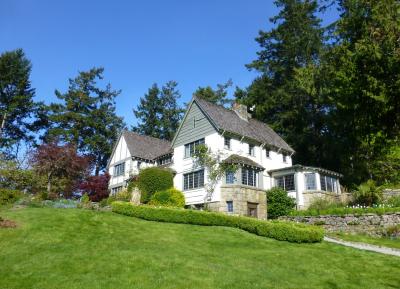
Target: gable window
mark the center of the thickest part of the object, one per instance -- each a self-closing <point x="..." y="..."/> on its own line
<point x="119" y="169"/>
<point x="227" y="143"/>
<point x="284" y="158"/>
<point x="251" y="149"/>
<point x="311" y="184"/>
<point x="190" y="147"/>
<point x="285" y="182"/>
<point x="229" y="206"/>
<point x="193" y="180"/>
<point x="268" y="153"/>
<point x="230" y="177"/>
<point x="249" y="177"/>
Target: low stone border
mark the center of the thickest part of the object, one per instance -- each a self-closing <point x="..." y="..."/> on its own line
<point x="364" y="246"/>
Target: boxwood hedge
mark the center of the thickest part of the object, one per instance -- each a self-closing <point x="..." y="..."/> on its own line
<point x="279" y="230"/>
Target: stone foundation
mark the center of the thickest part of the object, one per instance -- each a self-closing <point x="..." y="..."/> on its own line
<point x="371" y="224"/>
<point x="241" y="196"/>
<point x="310" y="196"/>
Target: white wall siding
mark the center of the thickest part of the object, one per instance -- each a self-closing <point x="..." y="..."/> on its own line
<point x="121" y="154"/>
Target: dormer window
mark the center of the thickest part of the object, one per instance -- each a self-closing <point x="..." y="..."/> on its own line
<point x="251" y="150"/>
<point x="227" y="143"/>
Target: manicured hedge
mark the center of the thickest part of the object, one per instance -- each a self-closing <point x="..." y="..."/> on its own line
<point x="283" y="231"/>
<point x="168" y="198"/>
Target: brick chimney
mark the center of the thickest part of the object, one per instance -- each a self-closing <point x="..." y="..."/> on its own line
<point x="241" y="111"/>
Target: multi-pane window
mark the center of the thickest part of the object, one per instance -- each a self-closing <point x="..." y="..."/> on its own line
<point x="284" y="158"/>
<point x="285" y="182"/>
<point x="193" y="180"/>
<point x="165" y="160"/>
<point x="251" y="149"/>
<point x="249" y="177"/>
<point x="229" y="206"/>
<point x="328" y="183"/>
<point x="267" y="153"/>
<point x="311" y="184"/>
<point x="227" y="143"/>
<point x="230" y="177"/>
<point x="190" y="147"/>
<point x="119" y="169"/>
<point x="115" y="190"/>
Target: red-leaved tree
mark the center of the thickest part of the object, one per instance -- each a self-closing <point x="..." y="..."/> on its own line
<point x="61" y="163"/>
<point x="96" y="187"/>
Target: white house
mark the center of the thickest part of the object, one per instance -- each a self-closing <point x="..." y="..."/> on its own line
<point x="264" y="160"/>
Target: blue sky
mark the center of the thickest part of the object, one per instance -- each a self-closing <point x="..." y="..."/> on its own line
<point x="196" y="43"/>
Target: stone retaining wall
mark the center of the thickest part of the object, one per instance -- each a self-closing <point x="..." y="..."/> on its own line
<point x="371" y="224"/>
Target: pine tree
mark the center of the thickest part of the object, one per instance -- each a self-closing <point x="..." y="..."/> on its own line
<point x="17" y="106"/>
<point x="293" y="44"/>
<point x="159" y="113"/>
<point x="218" y="96"/>
<point x="86" y="117"/>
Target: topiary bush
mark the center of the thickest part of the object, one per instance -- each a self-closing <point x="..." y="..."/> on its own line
<point x="279" y="203"/>
<point x="168" y="198"/>
<point x="151" y="180"/>
<point x="283" y="231"/>
<point x="9" y="196"/>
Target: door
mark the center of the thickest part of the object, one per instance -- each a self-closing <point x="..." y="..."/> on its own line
<point x="252" y="210"/>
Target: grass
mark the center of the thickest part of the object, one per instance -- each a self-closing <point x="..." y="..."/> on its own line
<point x="383" y="241"/>
<point x="72" y="248"/>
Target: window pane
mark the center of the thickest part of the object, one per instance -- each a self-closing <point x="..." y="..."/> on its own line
<point x="329" y="184"/>
<point x="244" y="176"/>
<point x="267" y="153"/>
<point x="230" y="177"/>
<point x="323" y="184"/>
<point x="289" y="183"/>
<point x="284" y="157"/>
<point x="201" y="178"/>
<point x="187" y="150"/>
<point x="279" y="182"/>
<point x="229" y="205"/>
<point x="227" y="143"/>
<point x="310" y="181"/>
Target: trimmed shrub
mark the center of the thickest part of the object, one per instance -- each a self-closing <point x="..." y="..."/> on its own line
<point x="346" y="211"/>
<point x="279" y="203"/>
<point x="279" y="230"/>
<point x="9" y="196"/>
<point x="123" y="196"/>
<point x="151" y="180"/>
<point x="168" y="198"/>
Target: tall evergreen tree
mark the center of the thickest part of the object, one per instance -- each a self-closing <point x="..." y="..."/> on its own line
<point x="86" y="117"/>
<point x="218" y="96"/>
<point x="294" y="43"/>
<point x="364" y="83"/>
<point x="17" y="106"/>
<point x="158" y="113"/>
<point x="171" y="112"/>
<point x="148" y="113"/>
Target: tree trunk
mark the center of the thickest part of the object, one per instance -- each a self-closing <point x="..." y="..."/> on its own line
<point x="49" y="183"/>
<point x="3" y="124"/>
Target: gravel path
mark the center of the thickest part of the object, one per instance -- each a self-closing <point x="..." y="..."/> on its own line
<point x="364" y="246"/>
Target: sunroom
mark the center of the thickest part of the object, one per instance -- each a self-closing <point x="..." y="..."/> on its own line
<point x="307" y="183"/>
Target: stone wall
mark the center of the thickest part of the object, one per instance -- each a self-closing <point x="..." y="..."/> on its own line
<point x="310" y="196"/>
<point x="241" y="196"/>
<point x="371" y="224"/>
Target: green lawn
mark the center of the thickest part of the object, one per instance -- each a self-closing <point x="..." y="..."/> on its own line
<point x="71" y="248"/>
<point x="386" y="242"/>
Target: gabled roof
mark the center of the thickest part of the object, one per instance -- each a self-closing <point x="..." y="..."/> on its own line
<point x="240" y="160"/>
<point x="146" y="147"/>
<point x="306" y="168"/>
<point x="227" y="120"/>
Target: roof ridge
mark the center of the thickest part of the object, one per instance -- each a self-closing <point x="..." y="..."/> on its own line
<point x="146" y="136"/>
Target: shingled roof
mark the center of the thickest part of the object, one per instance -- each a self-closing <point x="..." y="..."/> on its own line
<point x="146" y="147"/>
<point x="228" y="120"/>
<point x="240" y="160"/>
